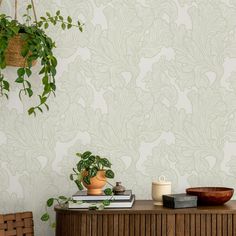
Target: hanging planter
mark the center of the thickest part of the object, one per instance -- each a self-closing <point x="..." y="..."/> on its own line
<point x="13" y="55"/>
<point x="22" y="44"/>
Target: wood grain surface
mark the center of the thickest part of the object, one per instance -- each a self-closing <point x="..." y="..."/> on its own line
<point x="145" y="219"/>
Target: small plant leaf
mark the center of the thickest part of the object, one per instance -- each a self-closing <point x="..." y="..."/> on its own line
<point x="63" y="26"/>
<point x="31" y="111"/>
<point x="45" y="217"/>
<point x="79" y="184"/>
<point x="108" y="191"/>
<point x="46" y="25"/>
<point x="71" y="177"/>
<point x="53" y="225"/>
<point x="106" y="202"/>
<point x="19" y="80"/>
<point x="69" y="19"/>
<point x="105" y="162"/>
<point x="50" y="202"/>
<point x="20" y="72"/>
<point x="63" y="198"/>
<point x="6" y="85"/>
<point x="86" y="154"/>
<point x="80" y="165"/>
<point x="28" y="72"/>
<point x="93" y="207"/>
<point x="86" y="179"/>
<point x="29" y="91"/>
<point x="109" y="174"/>
<point x="92" y="172"/>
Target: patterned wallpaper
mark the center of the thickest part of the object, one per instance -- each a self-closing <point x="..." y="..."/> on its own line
<point x="150" y="84"/>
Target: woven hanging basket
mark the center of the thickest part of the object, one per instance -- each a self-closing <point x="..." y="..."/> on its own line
<point x="13" y="52"/>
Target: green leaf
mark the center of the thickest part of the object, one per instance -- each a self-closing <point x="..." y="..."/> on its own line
<point x="48" y="14"/>
<point x="63" y="26"/>
<point x="31" y="111"/>
<point x="78" y="154"/>
<point x="53" y="225"/>
<point x="61" y="17"/>
<point x="30" y="91"/>
<point x="108" y="191"/>
<point x="24" y="51"/>
<point x="6" y="85"/>
<point x="42" y="71"/>
<point x="45" y="217"/>
<point x="91" y="159"/>
<point x="63" y="198"/>
<point x="92" y="172"/>
<point x="86" y="154"/>
<point x="79" y="184"/>
<point x="28" y="72"/>
<point x="50" y="202"/>
<point x="47" y="107"/>
<point x="53" y="86"/>
<point x="105" y="162"/>
<point x="54" y="61"/>
<point x="40" y="109"/>
<point x="93" y="207"/>
<point x="86" y="179"/>
<point x="80" y="165"/>
<point x="109" y="174"/>
<point x="45" y="80"/>
<point x="69" y="19"/>
<point x="43" y="18"/>
<point x="69" y="26"/>
<point x="20" y="72"/>
<point x="19" y="80"/>
<point x="28" y="83"/>
<point x="29" y="7"/>
<point x="58" y="13"/>
<point x="71" y="177"/>
<point x="43" y="100"/>
<point x="46" y="25"/>
<point x="106" y="202"/>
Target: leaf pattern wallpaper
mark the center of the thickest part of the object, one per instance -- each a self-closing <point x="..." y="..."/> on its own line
<point x="151" y="84"/>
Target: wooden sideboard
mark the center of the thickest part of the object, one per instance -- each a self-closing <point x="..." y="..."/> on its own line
<point x="145" y="219"/>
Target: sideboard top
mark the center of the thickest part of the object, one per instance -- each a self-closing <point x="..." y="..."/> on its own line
<point x="147" y="207"/>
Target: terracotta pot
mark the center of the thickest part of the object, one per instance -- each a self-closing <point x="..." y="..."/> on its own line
<point x="13" y="52"/>
<point x="96" y="183"/>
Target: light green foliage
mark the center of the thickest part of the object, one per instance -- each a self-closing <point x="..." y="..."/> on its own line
<point x="90" y="163"/>
<point x="38" y="46"/>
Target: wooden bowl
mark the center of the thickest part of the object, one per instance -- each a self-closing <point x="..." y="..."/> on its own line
<point x="211" y="195"/>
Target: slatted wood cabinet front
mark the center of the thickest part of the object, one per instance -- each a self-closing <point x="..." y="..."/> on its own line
<point x="144" y="219"/>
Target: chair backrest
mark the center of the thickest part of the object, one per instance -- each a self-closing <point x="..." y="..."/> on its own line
<point x="18" y="224"/>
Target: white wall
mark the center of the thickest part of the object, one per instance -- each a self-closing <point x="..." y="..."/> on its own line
<point x="149" y="84"/>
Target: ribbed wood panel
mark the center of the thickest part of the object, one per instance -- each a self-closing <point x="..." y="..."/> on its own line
<point x="146" y="224"/>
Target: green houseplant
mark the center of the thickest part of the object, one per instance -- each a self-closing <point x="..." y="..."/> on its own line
<point x="35" y="45"/>
<point x="91" y="172"/>
<point x="87" y="169"/>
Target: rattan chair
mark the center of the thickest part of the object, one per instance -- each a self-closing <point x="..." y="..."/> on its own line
<point x="18" y="224"/>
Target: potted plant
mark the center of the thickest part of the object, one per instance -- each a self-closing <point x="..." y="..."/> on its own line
<point x="91" y="171"/>
<point x="21" y="44"/>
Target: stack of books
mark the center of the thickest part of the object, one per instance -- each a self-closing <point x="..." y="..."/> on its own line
<point x="84" y="201"/>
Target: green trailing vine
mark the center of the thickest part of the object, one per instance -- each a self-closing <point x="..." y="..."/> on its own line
<point x="91" y="164"/>
<point x="37" y="46"/>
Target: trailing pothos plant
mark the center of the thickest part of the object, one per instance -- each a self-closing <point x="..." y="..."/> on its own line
<point x="91" y="164"/>
<point x="37" y="46"/>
